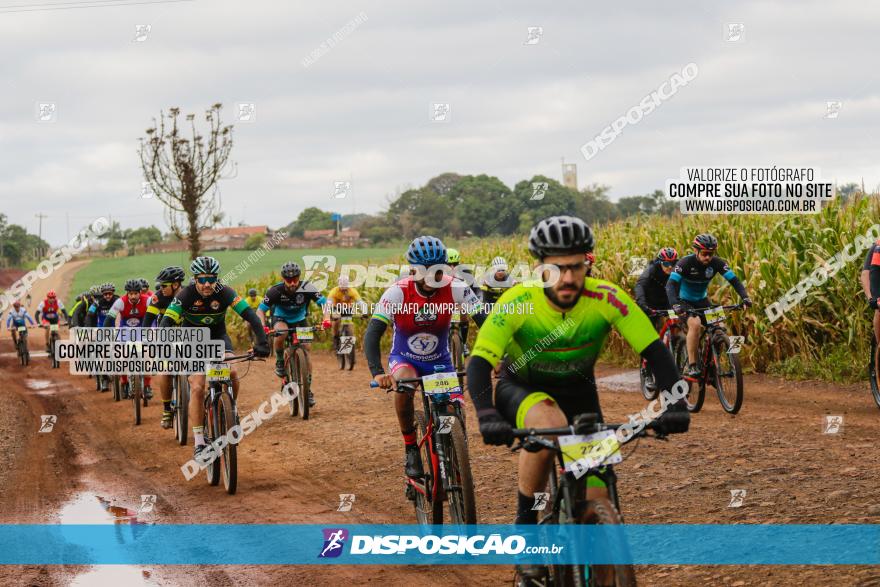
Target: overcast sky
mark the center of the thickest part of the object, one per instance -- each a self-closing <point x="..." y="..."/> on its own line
<point x="362" y="109"/>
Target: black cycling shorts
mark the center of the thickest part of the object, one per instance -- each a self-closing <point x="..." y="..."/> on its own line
<point x="698" y="305"/>
<point x="513" y="400"/>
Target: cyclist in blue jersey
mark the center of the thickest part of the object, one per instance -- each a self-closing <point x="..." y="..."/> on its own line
<point x="688" y="286"/>
<point x="17" y="316"/>
<point x="101" y="306"/>
<point x="289" y="301"/>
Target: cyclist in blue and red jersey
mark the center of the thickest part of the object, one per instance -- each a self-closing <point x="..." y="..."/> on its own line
<point x="129" y="311"/>
<point x="421" y="337"/>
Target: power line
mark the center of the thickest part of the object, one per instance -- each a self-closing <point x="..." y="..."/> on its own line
<point x="46" y="6"/>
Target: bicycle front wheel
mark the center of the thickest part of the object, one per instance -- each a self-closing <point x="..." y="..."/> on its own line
<point x="137" y="387"/>
<point x="228" y="419"/>
<point x="428" y="510"/>
<point x="456" y="350"/>
<point x="180" y="401"/>
<point x="602" y="511"/>
<point x="302" y="375"/>
<point x="211" y="434"/>
<point x="727" y="374"/>
<point x="875" y="372"/>
<point x="460" y="493"/>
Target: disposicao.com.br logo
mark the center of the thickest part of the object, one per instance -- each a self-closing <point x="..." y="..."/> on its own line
<point x="431" y="544"/>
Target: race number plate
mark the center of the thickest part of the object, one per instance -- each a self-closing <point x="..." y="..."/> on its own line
<point x="441" y="383"/>
<point x="714" y="315"/>
<point x="671" y="314"/>
<point x="218" y="372"/>
<point x="53" y="327"/>
<point x="456" y="318"/>
<point x="346" y="320"/>
<point x="22" y="328"/>
<point x="580" y="453"/>
<point x="304" y="333"/>
<point x="346" y="345"/>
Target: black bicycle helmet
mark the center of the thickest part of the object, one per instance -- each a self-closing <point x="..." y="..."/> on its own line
<point x="560" y="235"/>
<point x="133" y="285"/>
<point x="252" y="292"/>
<point x="705" y="242"/>
<point x="144" y="283"/>
<point x="105" y="287"/>
<point x="290" y="270"/>
<point x="667" y="255"/>
<point x="170" y="274"/>
<point x="204" y="265"/>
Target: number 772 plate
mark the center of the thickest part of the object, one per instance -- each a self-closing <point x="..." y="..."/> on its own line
<point x="581" y="452"/>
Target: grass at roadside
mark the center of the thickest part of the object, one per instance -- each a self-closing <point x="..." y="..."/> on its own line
<point x="119" y="269"/>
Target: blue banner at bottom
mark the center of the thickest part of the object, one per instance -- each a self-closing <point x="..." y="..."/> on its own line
<point x="280" y="544"/>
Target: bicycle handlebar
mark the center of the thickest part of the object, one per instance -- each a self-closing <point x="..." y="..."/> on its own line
<point x="407" y="381"/>
<point x="704" y="310"/>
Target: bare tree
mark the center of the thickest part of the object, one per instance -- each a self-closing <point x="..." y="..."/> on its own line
<point x="181" y="172"/>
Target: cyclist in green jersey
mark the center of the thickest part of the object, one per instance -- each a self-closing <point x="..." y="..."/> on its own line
<point x="204" y="303"/>
<point x="549" y="338"/>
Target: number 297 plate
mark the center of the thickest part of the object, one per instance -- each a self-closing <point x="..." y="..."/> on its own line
<point x="218" y="372"/>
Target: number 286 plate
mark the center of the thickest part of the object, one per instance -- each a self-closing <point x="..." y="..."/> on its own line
<point x="441" y="383"/>
<point x="714" y="315"/>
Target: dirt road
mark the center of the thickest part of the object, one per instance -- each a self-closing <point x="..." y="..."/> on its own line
<point x="292" y="471"/>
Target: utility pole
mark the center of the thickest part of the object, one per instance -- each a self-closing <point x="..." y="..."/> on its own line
<point x="40" y="233"/>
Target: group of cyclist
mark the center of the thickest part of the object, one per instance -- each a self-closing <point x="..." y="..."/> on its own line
<point x="533" y="358"/>
<point x="681" y="285"/>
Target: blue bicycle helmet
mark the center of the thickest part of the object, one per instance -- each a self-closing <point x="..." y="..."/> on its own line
<point x="426" y="251"/>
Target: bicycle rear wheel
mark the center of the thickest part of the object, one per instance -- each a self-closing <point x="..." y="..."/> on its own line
<point x="726" y="374"/>
<point x="349" y="356"/>
<point x="428" y="510"/>
<point x="180" y="401"/>
<point x="137" y="387"/>
<point x="460" y="496"/>
<point x="227" y="418"/>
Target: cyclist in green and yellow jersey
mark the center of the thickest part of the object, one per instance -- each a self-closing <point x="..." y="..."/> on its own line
<point x="549" y="338"/>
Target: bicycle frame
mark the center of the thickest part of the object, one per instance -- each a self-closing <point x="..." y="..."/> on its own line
<point x="434" y="406"/>
<point x="704" y="346"/>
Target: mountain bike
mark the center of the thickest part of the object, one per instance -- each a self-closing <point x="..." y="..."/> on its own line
<point x="578" y="460"/>
<point x="297" y="367"/>
<point x="180" y="407"/>
<point x="21" y="346"/>
<point x="137" y="395"/>
<point x="443" y="447"/>
<point x="53" y="336"/>
<point x="456" y="344"/>
<point x="672" y="338"/>
<point x="345" y="345"/>
<point x="221" y="415"/>
<point x="719" y="365"/>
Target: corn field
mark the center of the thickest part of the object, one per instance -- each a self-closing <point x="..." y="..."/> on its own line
<point x="827" y="335"/>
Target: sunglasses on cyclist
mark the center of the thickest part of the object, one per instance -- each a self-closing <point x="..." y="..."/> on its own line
<point x="709" y="254"/>
<point x="574" y="267"/>
<point x="667" y="263"/>
<point x="290" y="279"/>
<point x="166" y="284"/>
<point x="107" y="294"/>
<point x="207" y="279"/>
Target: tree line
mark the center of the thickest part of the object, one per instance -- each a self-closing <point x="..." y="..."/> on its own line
<point x="480" y="206"/>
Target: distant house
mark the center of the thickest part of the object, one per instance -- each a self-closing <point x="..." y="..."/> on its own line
<point x="327" y="234"/>
<point x="231" y="237"/>
<point x="349" y="238"/>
